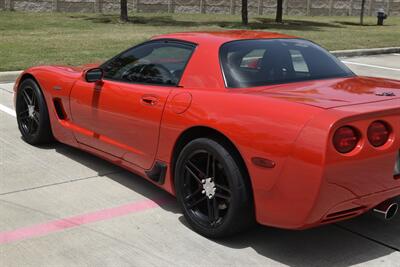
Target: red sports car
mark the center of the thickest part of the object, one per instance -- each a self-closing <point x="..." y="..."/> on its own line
<point x="241" y="126"/>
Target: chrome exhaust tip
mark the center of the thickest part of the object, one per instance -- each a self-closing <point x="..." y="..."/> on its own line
<point x="386" y="210"/>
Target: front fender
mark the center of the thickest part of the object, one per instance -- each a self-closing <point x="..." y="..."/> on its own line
<point x="56" y="83"/>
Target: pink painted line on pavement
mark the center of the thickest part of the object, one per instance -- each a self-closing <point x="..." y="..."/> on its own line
<point x="75" y="221"/>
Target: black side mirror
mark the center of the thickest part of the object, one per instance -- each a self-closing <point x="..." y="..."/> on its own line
<point x="94" y="75"/>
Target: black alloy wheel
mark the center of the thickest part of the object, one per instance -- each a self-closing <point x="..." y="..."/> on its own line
<point x="32" y="115"/>
<point x="212" y="190"/>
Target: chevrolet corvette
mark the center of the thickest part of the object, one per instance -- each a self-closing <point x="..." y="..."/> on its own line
<point x="241" y="126"/>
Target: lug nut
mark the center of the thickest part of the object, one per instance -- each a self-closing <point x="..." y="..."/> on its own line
<point x="203" y="192"/>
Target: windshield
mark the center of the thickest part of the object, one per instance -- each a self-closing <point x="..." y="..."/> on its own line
<point x="249" y="63"/>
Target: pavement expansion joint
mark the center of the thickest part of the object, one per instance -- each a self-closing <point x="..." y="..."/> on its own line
<point x="8" y="91"/>
<point x="367" y="237"/>
<point x="59" y="183"/>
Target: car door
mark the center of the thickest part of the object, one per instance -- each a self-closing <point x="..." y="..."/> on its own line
<point x="121" y="114"/>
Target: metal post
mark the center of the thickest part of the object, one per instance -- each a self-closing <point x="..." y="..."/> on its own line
<point x="308" y="8"/>
<point x="330" y="7"/>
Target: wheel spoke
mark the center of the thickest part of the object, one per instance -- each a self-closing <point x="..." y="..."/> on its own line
<point x="33" y="99"/>
<point x="223" y="188"/>
<point x="219" y="195"/>
<point x="210" y="208"/>
<point x="27" y="99"/>
<point x="191" y="195"/>
<point x="213" y="212"/>
<point x="210" y="172"/>
<point x="216" y="209"/>
<point x="202" y="174"/>
<point x="191" y="168"/>
<point x="223" y="192"/>
<point x="30" y="127"/>
<point x="24" y="111"/>
<point x="195" y="203"/>
<point x="22" y="116"/>
<point x="25" y="120"/>
<point x="36" y="118"/>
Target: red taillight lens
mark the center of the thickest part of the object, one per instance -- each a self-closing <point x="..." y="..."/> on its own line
<point x="346" y="139"/>
<point x="378" y="133"/>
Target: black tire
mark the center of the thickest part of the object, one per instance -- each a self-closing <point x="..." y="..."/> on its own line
<point x="202" y="165"/>
<point x="32" y="114"/>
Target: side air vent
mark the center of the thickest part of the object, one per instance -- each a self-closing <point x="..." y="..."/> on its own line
<point x="158" y="172"/>
<point x="343" y="214"/>
<point x="59" y="109"/>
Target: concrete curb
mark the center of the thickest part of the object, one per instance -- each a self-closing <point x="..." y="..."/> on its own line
<point x="11" y="76"/>
<point x="365" y="52"/>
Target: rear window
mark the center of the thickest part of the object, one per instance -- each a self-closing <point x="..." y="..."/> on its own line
<point x="249" y="63"/>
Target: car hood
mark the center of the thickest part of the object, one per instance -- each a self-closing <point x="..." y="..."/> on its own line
<point x="332" y="93"/>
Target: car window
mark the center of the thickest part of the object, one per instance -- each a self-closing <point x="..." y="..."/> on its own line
<point x="299" y="64"/>
<point x="248" y="63"/>
<point x="251" y="59"/>
<point x="158" y="63"/>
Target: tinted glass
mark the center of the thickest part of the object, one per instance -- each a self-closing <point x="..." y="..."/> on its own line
<point x="160" y="63"/>
<point x="248" y="63"/>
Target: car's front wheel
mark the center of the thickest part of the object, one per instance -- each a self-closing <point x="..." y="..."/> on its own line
<point x="32" y="115"/>
<point x="212" y="189"/>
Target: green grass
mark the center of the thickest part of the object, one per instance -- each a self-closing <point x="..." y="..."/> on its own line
<point x="28" y="39"/>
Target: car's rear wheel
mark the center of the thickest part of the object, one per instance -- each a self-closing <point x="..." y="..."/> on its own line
<point x="32" y="115"/>
<point x="212" y="189"/>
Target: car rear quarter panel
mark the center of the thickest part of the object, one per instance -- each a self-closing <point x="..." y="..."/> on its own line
<point x="310" y="177"/>
<point x="258" y="127"/>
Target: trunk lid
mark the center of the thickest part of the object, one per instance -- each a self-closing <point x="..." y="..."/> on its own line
<point x="331" y="93"/>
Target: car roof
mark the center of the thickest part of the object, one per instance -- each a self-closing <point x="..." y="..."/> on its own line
<point x="221" y="37"/>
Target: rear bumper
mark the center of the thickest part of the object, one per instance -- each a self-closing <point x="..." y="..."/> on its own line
<point x="329" y="204"/>
<point x="308" y="195"/>
<point x="354" y="207"/>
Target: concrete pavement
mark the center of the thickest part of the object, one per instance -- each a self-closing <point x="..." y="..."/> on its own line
<point x="62" y="207"/>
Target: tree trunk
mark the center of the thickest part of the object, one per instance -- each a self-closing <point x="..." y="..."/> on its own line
<point x="279" y="11"/>
<point x="362" y="12"/>
<point x="124" y="10"/>
<point x="245" y="16"/>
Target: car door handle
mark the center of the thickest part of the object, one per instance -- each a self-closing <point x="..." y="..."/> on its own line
<point x="149" y="100"/>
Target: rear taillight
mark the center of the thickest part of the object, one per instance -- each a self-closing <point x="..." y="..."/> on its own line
<point x="346" y="139"/>
<point x="378" y="133"/>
